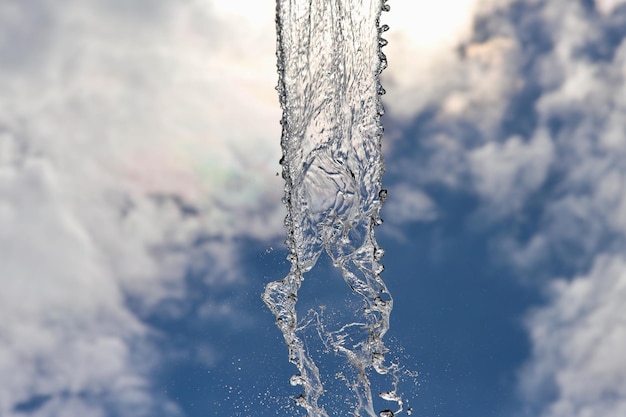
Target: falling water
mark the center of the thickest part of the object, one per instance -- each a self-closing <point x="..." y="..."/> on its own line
<point x="329" y="61"/>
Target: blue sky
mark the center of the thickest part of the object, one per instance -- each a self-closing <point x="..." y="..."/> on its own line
<point x="140" y="213"/>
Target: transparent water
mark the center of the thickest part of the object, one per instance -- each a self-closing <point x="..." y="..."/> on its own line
<point x="329" y="62"/>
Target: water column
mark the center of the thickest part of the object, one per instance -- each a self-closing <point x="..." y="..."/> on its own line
<point x="329" y="61"/>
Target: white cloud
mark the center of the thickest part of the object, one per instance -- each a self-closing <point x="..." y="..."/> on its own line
<point x="465" y="84"/>
<point x="578" y="368"/>
<point x="574" y="132"/>
<point x="562" y="179"/>
<point x="129" y="131"/>
<point x="66" y="332"/>
<point x="506" y="173"/>
<point x="407" y="204"/>
<point x="608" y="6"/>
<point x="424" y="60"/>
<point x="587" y="101"/>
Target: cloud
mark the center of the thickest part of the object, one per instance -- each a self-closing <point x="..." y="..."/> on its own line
<point x="606" y="7"/>
<point x="425" y="40"/>
<point x="505" y="173"/>
<point x="459" y="86"/>
<point x="522" y="107"/>
<point x="577" y="336"/>
<point x="410" y="205"/>
<point x="524" y="112"/>
<point x="66" y="333"/>
<point x="578" y="367"/>
<point x="583" y="106"/>
<point x="138" y="141"/>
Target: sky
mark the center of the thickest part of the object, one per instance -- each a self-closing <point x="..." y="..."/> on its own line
<point x="140" y="212"/>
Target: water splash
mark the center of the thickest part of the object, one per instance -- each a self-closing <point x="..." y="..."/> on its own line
<point x="329" y="62"/>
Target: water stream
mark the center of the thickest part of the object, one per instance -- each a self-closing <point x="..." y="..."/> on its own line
<point x="329" y="62"/>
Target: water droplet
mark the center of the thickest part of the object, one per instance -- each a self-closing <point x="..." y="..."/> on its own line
<point x="382" y="194"/>
<point x="386" y="413"/>
<point x="384" y="28"/>
<point x="382" y="66"/>
<point x="301" y="401"/>
<point x="409" y="411"/>
<point x="297" y="379"/>
<point x="389" y="396"/>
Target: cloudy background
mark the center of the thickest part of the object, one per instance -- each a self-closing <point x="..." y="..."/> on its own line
<point x="140" y="211"/>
